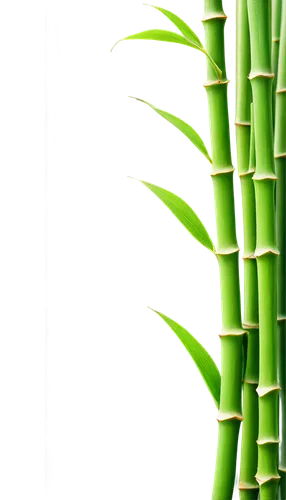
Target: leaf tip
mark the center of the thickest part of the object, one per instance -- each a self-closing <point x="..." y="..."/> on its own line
<point x="132" y="97"/>
<point x="115" y="44"/>
<point x="146" y="4"/>
<point x="132" y="178"/>
<point x="149" y="307"/>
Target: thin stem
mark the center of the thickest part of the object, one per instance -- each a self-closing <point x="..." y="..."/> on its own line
<point x="217" y="69"/>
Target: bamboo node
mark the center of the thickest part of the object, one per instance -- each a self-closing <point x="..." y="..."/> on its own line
<point x="249" y="256"/>
<point x="281" y="318"/>
<point x="227" y="251"/>
<point x="260" y="74"/>
<point x="280" y="91"/>
<point x="265" y="479"/>
<point x="211" y="83"/>
<point x="263" y="391"/>
<point x="265" y="176"/>
<point x="250" y="382"/>
<point x="279" y="155"/>
<point x="213" y="16"/>
<point x="234" y="332"/>
<point x="250" y="171"/>
<point x="282" y="468"/>
<point x="248" y="486"/>
<point x="223" y="416"/>
<point x="242" y="123"/>
<point x="251" y="326"/>
<point x="221" y="170"/>
<point x="269" y="440"/>
<point x="259" y="252"/>
<point x="277" y="39"/>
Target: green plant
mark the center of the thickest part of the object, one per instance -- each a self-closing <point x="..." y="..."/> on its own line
<point x="249" y="361"/>
<point x="266" y="251"/>
<point x="245" y="141"/>
<point x="280" y="168"/>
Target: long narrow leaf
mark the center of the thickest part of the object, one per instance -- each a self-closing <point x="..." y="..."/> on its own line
<point x="163" y="35"/>
<point x="157" y="35"/>
<point x="186" y="31"/>
<point x="186" y="129"/>
<point x="201" y="357"/>
<point x="184" y="214"/>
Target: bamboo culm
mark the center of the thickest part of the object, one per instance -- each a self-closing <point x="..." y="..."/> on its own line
<point x="280" y="167"/>
<point x="276" y="26"/>
<point x="248" y="485"/>
<point x="227" y="253"/>
<point x="266" y="250"/>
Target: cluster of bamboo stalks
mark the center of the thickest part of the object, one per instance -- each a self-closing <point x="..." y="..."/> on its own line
<point x="253" y="352"/>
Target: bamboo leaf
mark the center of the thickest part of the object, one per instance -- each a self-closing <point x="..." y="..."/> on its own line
<point x="186" y="31"/>
<point x="201" y="357"/>
<point x="189" y="37"/>
<point x="157" y="35"/>
<point x="186" y="129"/>
<point x="184" y="214"/>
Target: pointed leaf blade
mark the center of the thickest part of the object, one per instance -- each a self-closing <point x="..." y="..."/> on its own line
<point x="186" y="31"/>
<point x="186" y="129"/>
<point x="169" y="36"/>
<point x="184" y="214"/>
<point x="200" y="356"/>
<point x="157" y="35"/>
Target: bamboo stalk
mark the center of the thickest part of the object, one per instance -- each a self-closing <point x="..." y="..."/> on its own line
<point x="242" y="149"/>
<point x="276" y="26"/>
<point x="280" y="167"/>
<point x="266" y="250"/>
<point x="248" y="486"/>
<point x="232" y="333"/>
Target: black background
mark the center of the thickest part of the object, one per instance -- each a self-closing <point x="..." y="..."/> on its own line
<point x="127" y="418"/>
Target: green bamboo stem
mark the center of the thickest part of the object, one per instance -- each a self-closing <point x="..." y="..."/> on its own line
<point x="280" y="167"/>
<point x="232" y="333"/>
<point x="276" y="26"/>
<point x="248" y="485"/>
<point x="266" y="250"/>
